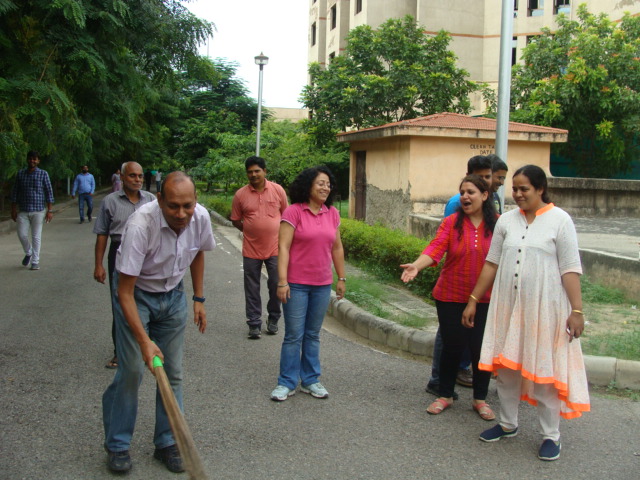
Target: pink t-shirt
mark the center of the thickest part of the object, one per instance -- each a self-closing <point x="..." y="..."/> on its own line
<point x="310" y="252"/>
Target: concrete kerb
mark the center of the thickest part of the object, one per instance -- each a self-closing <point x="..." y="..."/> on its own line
<point x="602" y="371"/>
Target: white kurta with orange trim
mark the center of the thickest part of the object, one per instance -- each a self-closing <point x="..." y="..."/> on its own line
<point x="526" y="323"/>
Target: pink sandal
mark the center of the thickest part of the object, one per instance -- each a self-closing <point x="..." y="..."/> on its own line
<point x="438" y="406"/>
<point x="484" y="411"/>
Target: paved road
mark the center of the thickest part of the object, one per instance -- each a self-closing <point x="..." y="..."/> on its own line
<point x="55" y="339"/>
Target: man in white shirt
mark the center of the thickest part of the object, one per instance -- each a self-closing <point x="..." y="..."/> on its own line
<point x="160" y="241"/>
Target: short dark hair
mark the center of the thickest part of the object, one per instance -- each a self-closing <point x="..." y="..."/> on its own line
<point x="478" y="162"/>
<point x="32" y="154"/>
<point x="497" y="163"/>
<point x="300" y="188"/>
<point x="537" y="178"/>
<point x="253" y="160"/>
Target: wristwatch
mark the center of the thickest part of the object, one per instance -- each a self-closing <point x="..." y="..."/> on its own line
<point x="198" y="299"/>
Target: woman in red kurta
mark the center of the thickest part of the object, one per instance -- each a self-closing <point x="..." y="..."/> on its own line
<point x="465" y="237"/>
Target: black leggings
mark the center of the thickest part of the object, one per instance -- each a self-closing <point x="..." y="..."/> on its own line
<point x="456" y="338"/>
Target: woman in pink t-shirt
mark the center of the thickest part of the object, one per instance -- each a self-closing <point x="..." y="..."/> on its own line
<point x="309" y="242"/>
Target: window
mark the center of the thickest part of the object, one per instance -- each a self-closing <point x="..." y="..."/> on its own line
<point x="561" y="6"/>
<point x="359" y="6"/>
<point x="531" y="38"/>
<point x="313" y="34"/>
<point x="334" y="17"/>
<point x="514" y="50"/>
<point x="515" y="8"/>
<point x="332" y="55"/>
<point x="535" y="8"/>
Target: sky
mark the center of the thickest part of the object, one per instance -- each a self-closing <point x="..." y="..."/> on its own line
<point x="246" y="28"/>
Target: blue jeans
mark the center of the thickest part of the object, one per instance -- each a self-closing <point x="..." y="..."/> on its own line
<point x="303" y="316"/>
<point x="164" y="317"/>
<point x="82" y="198"/>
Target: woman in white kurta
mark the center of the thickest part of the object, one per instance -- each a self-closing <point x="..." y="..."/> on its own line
<point x="535" y="314"/>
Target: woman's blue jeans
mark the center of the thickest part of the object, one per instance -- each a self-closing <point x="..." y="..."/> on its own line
<point x="164" y="317"/>
<point x="303" y="316"/>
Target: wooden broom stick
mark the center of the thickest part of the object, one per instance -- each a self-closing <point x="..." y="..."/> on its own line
<point x="186" y="446"/>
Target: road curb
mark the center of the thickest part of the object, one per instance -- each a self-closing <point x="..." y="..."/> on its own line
<point x="602" y="371"/>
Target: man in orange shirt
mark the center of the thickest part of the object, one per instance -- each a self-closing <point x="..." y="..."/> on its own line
<point x="256" y="213"/>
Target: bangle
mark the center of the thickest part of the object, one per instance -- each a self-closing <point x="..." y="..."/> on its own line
<point x="579" y="312"/>
<point x="285" y="285"/>
<point x="195" y="298"/>
<point x="472" y="296"/>
<point x="342" y="279"/>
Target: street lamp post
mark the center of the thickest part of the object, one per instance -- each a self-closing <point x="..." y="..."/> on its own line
<point x="261" y="60"/>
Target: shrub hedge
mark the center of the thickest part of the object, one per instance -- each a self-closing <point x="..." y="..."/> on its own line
<point x="381" y="251"/>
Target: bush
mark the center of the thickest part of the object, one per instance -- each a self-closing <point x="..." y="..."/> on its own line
<point x="381" y="251"/>
<point x="219" y="203"/>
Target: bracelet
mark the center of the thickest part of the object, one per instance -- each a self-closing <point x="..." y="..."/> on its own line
<point x="198" y="299"/>
<point x="342" y="279"/>
<point x="471" y="296"/>
<point x="580" y="312"/>
<point x="285" y="285"/>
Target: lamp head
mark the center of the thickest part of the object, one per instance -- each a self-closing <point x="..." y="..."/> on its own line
<point x="261" y="59"/>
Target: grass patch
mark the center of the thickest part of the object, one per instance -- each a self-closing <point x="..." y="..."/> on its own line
<point x="624" y="345"/>
<point x="372" y="296"/>
<point x="596" y="293"/>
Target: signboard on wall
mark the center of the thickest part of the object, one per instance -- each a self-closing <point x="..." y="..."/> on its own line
<point x="482" y="148"/>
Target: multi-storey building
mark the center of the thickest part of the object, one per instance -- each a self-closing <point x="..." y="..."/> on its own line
<point x="474" y="26"/>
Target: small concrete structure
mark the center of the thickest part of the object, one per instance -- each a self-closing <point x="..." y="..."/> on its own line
<point x="415" y="166"/>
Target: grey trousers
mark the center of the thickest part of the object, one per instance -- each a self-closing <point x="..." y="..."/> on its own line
<point x="253" y="301"/>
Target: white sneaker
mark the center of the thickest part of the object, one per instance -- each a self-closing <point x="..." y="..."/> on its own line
<point x="281" y="393"/>
<point x="316" y="390"/>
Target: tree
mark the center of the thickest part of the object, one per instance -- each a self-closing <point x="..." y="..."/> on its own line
<point x="585" y="77"/>
<point x="91" y="81"/>
<point x="394" y="73"/>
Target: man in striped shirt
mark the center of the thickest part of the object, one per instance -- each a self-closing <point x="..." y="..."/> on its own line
<point x="31" y="191"/>
<point x="115" y="210"/>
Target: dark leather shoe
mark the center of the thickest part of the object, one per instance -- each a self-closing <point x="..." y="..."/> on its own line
<point x="119" y="461"/>
<point x="171" y="458"/>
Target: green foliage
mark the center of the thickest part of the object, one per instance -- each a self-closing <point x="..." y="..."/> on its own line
<point x="219" y="203"/>
<point x="383" y="251"/>
<point x="596" y="293"/>
<point x="92" y="82"/>
<point x="585" y="77"/>
<point x="394" y="73"/>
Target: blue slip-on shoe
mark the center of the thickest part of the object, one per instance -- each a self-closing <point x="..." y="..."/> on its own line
<point x="496" y="432"/>
<point x="281" y="393"/>
<point x="26" y="260"/>
<point x="315" y="390"/>
<point x="549" y="450"/>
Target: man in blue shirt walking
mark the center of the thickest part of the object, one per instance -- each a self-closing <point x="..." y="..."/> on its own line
<point x="84" y="185"/>
<point x="31" y="191"/>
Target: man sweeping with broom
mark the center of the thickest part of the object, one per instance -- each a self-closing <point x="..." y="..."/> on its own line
<point x="160" y="241"/>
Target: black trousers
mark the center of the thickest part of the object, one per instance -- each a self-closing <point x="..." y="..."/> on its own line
<point x="456" y="338"/>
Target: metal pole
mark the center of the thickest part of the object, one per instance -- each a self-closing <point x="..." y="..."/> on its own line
<point x="504" y="84"/>
<point x="259" y="112"/>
